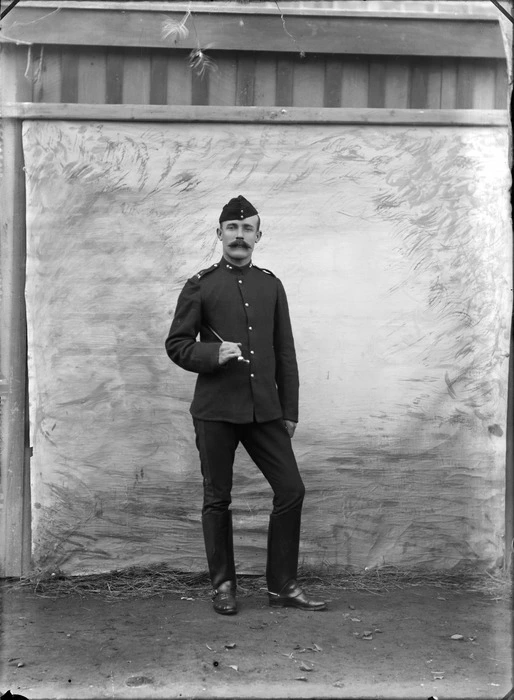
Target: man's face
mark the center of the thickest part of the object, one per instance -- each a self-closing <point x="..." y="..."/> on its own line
<point x="238" y="238"/>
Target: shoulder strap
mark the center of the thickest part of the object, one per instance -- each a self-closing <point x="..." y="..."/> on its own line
<point x="207" y="270"/>
<point x="263" y="269"/>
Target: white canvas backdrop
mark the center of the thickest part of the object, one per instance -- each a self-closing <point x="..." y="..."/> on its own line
<point x="393" y="244"/>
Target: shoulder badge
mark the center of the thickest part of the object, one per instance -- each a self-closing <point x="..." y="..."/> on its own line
<point x="202" y="273"/>
<point x="263" y="269"/>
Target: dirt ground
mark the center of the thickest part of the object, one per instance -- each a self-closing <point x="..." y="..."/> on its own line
<point x="392" y="645"/>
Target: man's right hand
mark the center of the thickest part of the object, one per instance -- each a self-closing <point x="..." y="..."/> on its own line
<point x="228" y="351"/>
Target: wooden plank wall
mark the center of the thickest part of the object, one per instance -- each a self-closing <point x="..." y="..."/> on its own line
<point x="135" y="76"/>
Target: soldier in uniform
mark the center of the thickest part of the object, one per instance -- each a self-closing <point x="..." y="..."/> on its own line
<point x="246" y="391"/>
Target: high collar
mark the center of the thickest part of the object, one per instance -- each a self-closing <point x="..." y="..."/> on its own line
<point x="235" y="269"/>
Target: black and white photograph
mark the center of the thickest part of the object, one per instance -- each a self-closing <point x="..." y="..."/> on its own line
<point x="256" y="376"/>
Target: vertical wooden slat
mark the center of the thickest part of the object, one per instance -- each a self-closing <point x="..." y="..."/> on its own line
<point x="29" y="71"/>
<point x="434" y="85"/>
<point x="501" y="92"/>
<point x="15" y="484"/>
<point x="17" y="65"/>
<point x="70" y="74"/>
<point x="158" y="79"/>
<point x="333" y="82"/>
<point x="376" y="89"/>
<point x="397" y="85"/>
<point x="91" y="76"/>
<point x="265" y="81"/>
<point x="483" y="96"/>
<point x="418" y="86"/>
<point x="245" y="80"/>
<point x="48" y="74"/>
<point x="114" y="77"/>
<point x="200" y="87"/>
<point x="179" y="80"/>
<point x="449" y="85"/>
<point x="28" y="62"/>
<point x="465" y="84"/>
<point x="355" y="87"/>
<point x="38" y="72"/>
<point x="284" y="87"/>
<point x="135" y="87"/>
<point x="309" y="83"/>
<point x="223" y="81"/>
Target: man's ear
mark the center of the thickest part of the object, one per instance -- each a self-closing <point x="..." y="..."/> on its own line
<point x="218" y="233"/>
<point x="258" y="237"/>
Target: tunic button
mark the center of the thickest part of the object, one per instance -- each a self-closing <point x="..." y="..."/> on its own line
<point x="250" y="328"/>
<point x="240" y="281"/>
<point x="246" y="303"/>
<point x="252" y="352"/>
<point x="252" y="375"/>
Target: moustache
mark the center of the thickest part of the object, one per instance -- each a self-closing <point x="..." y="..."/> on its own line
<point x="239" y="244"/>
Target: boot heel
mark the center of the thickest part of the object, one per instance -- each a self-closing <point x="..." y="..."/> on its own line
<point x="275" y="602"/>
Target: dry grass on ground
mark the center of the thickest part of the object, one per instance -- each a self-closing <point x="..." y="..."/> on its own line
<point x="158" y="580"/>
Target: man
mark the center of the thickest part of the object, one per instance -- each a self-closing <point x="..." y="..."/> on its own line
<point x="246" y="391"/>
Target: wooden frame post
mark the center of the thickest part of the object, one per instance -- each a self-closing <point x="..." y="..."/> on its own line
<point x="15" y="544"/>
<point x="509" y="471"/>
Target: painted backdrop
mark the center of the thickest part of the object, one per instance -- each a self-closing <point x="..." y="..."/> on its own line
<point x="393" y="245"/>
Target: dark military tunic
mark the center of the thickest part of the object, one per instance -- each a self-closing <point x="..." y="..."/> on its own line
<point x="246" y="305"/>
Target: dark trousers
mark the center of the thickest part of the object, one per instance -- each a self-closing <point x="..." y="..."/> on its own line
<point x="269" y="446"/>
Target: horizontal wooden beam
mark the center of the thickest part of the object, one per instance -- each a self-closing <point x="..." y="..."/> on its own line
<point x="427" y="36"/>
<point x="259" y="115"/>
<point x="413" y="9"/>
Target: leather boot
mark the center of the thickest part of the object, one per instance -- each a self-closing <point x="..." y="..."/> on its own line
<point x="217" y="532"/>
<point x="224" y="598"/>
<point x="282" y="564"/>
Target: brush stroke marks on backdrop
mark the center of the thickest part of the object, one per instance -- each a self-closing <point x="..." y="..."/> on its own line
<point x="392" y="243"/>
